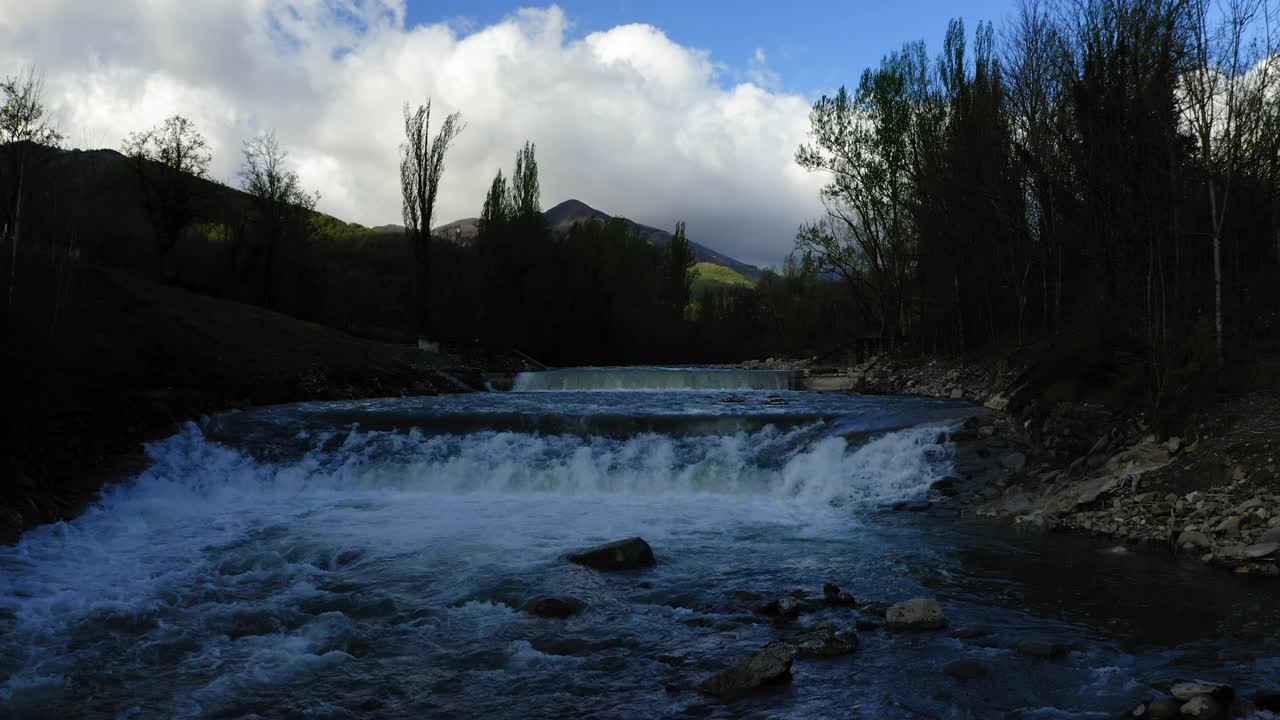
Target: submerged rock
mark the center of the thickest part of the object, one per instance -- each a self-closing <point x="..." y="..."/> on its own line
<point x="916" y="614"/>
<point x="554" y="607"/>
<point x="1269" y="701"/>
<point x="621" y="555"/>
<point x="1161" y="709"/>
<point x="835" y="596"/>
<point x="770" y="666"/>
<point x="947" y="486"/>
<point x="865" y="624"/>
<point x="966" y="669"/>
<point x="912" y="506"/>
<point x="1043" y="650"/>
<point x="784" y="607"/>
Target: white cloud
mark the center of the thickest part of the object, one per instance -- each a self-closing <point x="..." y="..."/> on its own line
<point x="625" y="120"/>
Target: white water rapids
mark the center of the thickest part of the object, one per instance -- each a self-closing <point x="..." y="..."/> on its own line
<point x="343" y="564"/>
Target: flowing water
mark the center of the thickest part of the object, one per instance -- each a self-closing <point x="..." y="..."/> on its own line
<point x="369" y="559"/>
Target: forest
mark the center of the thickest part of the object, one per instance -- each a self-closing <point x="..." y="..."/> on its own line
<point x="1096" y="178"/>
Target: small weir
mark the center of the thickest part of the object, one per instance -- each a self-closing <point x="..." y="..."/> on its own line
<point x="653" y="378"/>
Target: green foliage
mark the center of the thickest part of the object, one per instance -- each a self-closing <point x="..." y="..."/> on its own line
<point x="328" y="230"/>
<point x="497" y="205"/>
<point x="210" y="232"/>
<point x="526" y="191"/>
<point x="710" y="276"/>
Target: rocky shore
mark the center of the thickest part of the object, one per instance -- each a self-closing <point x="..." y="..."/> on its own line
<point x="1213" y="494"/>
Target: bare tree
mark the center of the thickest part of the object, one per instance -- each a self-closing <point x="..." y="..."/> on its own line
<point x="265" y="175"/>
<point x="23" y="121"/>
<point x="421" y="169"/>
<point x="168" y="157"/>
<point x="281" y="201"/>
<point x="176" y="144"/>
<point x="1219" y="104"/>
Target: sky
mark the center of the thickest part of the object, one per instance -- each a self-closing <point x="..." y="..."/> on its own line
<point x="656" y="110"/>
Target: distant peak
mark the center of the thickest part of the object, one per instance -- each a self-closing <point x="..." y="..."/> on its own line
<point x="572" y="210"/>
<point x="572" y="205"/>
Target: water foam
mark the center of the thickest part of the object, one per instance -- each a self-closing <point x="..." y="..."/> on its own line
<point x="219" y="564"/>
<point x="801" y="463"/>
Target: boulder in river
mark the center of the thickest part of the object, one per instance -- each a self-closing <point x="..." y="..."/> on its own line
<point x="1160" y="709"/>
<point x="835" y="596"/>
<point x="554" y="607"/>
<point x="770" y="666"/>
<point x="823" y="642"/>
<point x="916" y="614"/>
<point x="1204" y="707"/>
<point x="1261" y="550"/>
<point x="783" y="607"/>
<point x="1194" y="539"/>
<point x="627" y="554"/>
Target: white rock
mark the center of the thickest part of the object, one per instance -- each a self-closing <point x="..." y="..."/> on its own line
<point x="1261" y="550"/>
<point x="916" y="614"/>
<point x="1185" y="691"/>
<point x="1203" y="706"/>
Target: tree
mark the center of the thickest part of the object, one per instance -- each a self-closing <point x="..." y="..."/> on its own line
<point x="679" y="274"/>
<point x="497" y="210"/>
<point x="168" y="159"/>
<point x="864" y="142"/>
<point x="1221" y="105"/>
<point x="526" y="190"/>
<point x="23" y="121"/>
<point x="421" y="170"/>
<point x="281" y="201"/>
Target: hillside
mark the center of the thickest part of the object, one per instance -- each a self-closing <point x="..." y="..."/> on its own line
<point x="714" y="277"/>
<point x="563" y="216"/>
<point x="131" y="359"/>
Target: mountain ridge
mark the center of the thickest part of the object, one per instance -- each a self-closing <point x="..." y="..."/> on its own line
<point x="563" y="215"/>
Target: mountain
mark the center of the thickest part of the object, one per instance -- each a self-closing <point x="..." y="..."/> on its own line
<point x="563" y="216"/>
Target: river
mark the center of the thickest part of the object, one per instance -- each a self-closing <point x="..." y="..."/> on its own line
<point x="370" y="559"/>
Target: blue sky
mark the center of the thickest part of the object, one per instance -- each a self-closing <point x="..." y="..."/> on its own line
<point x="813" y="45"/>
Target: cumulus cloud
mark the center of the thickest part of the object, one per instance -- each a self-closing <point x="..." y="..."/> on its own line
<point x="625" y="119"/>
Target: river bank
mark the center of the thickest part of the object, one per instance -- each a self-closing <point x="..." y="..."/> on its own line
<point x="1211" y="492"/>
<point x="127" y="361"/>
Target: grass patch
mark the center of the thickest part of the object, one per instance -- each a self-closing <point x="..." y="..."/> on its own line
<point x="714" y="277"/>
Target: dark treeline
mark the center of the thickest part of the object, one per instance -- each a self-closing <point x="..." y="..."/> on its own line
<point x="1105" y="170"/>
<point x="1096" y="177"/>
<point x="595" y="292"/>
